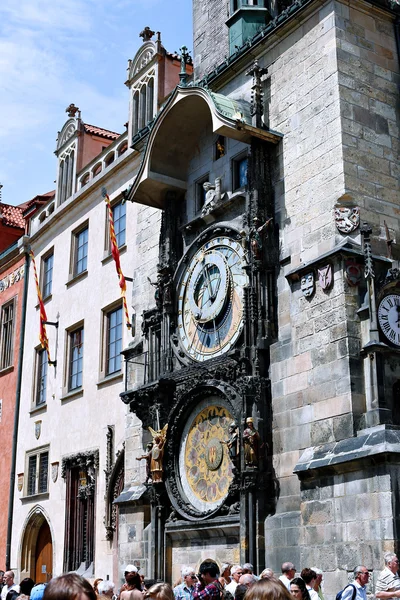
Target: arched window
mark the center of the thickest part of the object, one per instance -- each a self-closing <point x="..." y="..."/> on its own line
<point x="96" y="169"/>
<point x="109" y="159"/>
<point x="150" y="100"/>
<point x="122" y="148"/>
<point x="85" y="179"/>
<point x="142" y="107"/>
<point x="135" y="115"/>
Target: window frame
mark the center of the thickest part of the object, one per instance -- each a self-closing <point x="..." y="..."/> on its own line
<point x="69" y="361"/>
<point x="199" y="192"/>
<point x="105" y="347"/>
<point x="43" y="279"/>
<point x="7" y="340"/>
<point x="75" y="250"/>
<point x="235" y="168"/>
<point x="37" y="453"/>
<point x="39" y="353"/>
<point x="107" y="241"/>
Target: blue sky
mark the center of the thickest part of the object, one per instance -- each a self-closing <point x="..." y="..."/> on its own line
<point x="54" y="52"/>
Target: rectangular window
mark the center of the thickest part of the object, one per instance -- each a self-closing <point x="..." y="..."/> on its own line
<point x="75" y="359"/>
<point x="47" y="281"/>
<point x="41" y="377"/>
<point x="119" y="216"/>
<point x="7" y="335"/>
<point x="38" y="473"/>
<point x="200" y="192"/>
<point x="80" y="251"/>
<point x="114" y="341"/>
<point x="239" y="172"/>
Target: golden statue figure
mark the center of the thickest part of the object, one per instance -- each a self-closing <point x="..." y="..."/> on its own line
<point x="157" y="453"/>
<point x="251" y="442"/>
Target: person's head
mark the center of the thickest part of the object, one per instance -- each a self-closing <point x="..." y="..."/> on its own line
<point x="38" y="591"/>
<point x="160" y="591"/>
<point x="96" y="584"/>
<point x="268" y="589"/>
<point x="188" y="576"/>
<point x="132" y="578"/>
<point x="236" y="572"/>
<point x="26" y="585"/>
<point x="247" y="568"/>
<point x="226" y="570"/>
<point x="208" y="572"/>
<point x="391" y="561"/>
<point x="106" y="588"/>
<point x="250" y="423"/>
<point x="309" y="576"/>
<point x="240" y="591"/>
<point x="289" y="570"/>
<point x="247" y="579"/>
<point x="267" y="574"/>
<point x="361" y="574"/>
<point x="69" y="587"/>
<point x="319" y="578"/>
<point x="298" y="589"/>
<point x="8" y="578"/>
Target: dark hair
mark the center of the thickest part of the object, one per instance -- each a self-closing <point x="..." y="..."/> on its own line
<point x="240" y="591"/>
<point x="209" y="567"/>
<point x="308" y="575"/>
<point x="26" y="585"/>
<point x="68" y="587"/>
<point x="133" y="580"/>
<point x="268" y="589"/>
<point x="302" y="587"/>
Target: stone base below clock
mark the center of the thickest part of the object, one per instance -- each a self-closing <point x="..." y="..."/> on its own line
<point x="192" y="543"/>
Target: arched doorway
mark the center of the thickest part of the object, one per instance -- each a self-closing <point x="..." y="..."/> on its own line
<point x="43" y="555"/>
<point x="37" y="548"/>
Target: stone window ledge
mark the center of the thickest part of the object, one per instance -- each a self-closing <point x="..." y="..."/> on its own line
<point x="72" y="395"/>
<point x="114" y="378"/>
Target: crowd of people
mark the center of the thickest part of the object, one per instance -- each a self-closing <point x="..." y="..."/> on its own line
<point x="230" y="582"/>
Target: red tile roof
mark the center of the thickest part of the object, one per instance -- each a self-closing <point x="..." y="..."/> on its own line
<point x="110" y="135"/>
<point x="37" y="201"/>
<point x="11" y="216"/>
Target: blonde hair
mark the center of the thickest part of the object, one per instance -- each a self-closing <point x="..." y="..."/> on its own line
<point x="160" y="591"/>
<point x="268" y="589"/>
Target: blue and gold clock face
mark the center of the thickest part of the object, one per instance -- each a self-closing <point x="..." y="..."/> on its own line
<point x="210" y="299"/>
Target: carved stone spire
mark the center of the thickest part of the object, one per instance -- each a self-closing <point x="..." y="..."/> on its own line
<point x="257" y="94"/>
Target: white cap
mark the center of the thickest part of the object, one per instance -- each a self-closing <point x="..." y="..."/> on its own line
<point x="130" y="568"/>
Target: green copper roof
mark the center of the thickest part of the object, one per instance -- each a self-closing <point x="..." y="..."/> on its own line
<point x="233" y="109"/>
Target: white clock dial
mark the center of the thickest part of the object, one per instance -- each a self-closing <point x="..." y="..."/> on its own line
<point x="389" y="318"/>
<point x="210" y="299"/>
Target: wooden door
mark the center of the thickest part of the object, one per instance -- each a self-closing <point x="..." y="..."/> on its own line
<point x="43" y="555"/>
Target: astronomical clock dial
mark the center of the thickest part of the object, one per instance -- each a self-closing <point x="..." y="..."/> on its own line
<point x="205" y="468"/>
<point x="389" y="318"/>
<point x="210" y="300"/>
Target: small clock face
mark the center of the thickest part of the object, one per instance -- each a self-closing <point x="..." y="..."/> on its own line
<point x="210" y="302"/>
<point x="389" y="318"/>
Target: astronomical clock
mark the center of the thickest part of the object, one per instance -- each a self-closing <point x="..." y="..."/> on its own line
<point x="207" y="337"/>
<point x="210" y="289"/>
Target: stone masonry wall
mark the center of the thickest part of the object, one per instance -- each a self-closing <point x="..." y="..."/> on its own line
<point x="210" y="35"/>
<point x="368" y="71"/>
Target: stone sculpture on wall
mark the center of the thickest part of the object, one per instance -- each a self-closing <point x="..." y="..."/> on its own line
<point x="347" y="219"/>
<point x="147" y="458"/>
<point x="157" y="453"/>
<point x="251" y="444"/>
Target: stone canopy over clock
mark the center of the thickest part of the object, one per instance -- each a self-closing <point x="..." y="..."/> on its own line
<point x="210" y="287"/>
<point x="389" y="318"/>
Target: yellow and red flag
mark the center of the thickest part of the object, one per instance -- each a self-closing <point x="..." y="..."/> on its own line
<point x="43" y="316"/>
<point x="115" y="253"/>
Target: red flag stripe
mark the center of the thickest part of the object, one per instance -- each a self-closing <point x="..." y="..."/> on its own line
<point x="44" y="341"/>
<point x="115" y="254"/>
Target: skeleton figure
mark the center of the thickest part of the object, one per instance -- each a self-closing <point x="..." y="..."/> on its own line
<point x="147" y="458"/>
